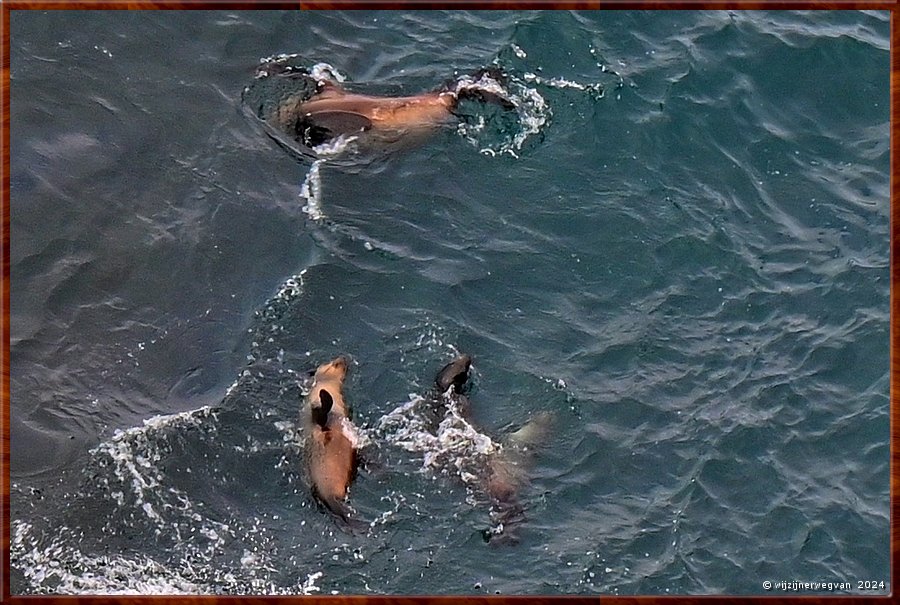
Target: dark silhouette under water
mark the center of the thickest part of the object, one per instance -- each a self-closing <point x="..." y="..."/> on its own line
<point x="505" y="472"/>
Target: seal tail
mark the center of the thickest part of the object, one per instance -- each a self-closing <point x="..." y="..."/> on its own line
<point x="506" y="518"/>
<point x="343" y="514"/>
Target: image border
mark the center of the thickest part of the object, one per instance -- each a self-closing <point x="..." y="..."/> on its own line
<point x="8" y="6"/>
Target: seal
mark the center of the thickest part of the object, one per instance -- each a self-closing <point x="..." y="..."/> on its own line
<point x="504" y="472"/>
<point x="332" y="111"/>
<point x="332" y="441"/>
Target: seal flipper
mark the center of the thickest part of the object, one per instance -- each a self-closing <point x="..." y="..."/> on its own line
<point x="342" y="511"/>
<point x="483" y="96"/>
<point x="336" y="506"/>
<point x="478" y="92"/>
<point x="454" y="374"/>
<point x="326" y="89"/>
<point x="320" y="126"/>
<point x="533" y="433"/>
<point x="320" y="412"/>
<point x="506" y="518"/>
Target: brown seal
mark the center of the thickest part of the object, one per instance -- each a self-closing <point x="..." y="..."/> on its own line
<point x="332" y="111"/>
<point x="505" y="472"/>
<point x="331" y="439"/>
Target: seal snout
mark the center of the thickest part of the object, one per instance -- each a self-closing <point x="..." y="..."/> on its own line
<point x="336" y="369"/>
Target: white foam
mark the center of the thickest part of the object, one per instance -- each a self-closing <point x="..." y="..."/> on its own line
<point x="291" y="287"/>
<point x="61" y="568"/>
<point x="595" y="87"/>
<point x="323" y="72"/>
<point x="454" y="446"/>
<point x="311" y="191"/>
<point x="134" y="456"/>
<point x="484" y="82"/>
<point x="279" y="58"/>
<point x="132" y="476"/>
<point x="534" y="115"/>
<point x="531" y="108"/>
<point x="350" y="432"/>
<point x="337" y="146"/>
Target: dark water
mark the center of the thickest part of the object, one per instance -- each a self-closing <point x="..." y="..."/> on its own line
<point x="679" y="250"/>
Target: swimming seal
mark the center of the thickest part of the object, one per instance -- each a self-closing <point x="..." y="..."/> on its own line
<point x="331" y="111"/>
<point x="505" y="472"/>
<point x="331" y="439"/>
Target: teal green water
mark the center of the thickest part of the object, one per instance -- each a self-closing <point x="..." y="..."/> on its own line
<point x="679" y="249"/>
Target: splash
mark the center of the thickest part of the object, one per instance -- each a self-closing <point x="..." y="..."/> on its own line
<point x="323" y="72"/>
<point x="293" y="63"/>
<point x="69" y="571"/>
<point x="133" y="456"/>
<point x="492" y="133"/>
<point x="452" y="447"/>
<point x="269" y="325"/>
<point x="595" y="89"/>
<point x="131" y="480"/>
<point x="485" y="82"/>
<point x="311" y="191"/>
<point x="60" y="567"/>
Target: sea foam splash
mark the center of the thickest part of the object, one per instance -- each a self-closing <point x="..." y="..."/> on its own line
<point x="452" y="446"/>
<point x="311" y="189"/>
<point x="133" y="456"/>
<point x="132" y="479"/>
<point x="60" y="567"/>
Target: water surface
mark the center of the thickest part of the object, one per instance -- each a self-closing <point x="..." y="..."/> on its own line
<point x="681" y="255"/>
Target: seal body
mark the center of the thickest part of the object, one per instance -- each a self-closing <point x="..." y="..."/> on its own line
<point x="321" y="110"/>
<point x="331" y="438"/>
<point x="381" y="112"/>
<point x="333" y="112"/>
<point x="503" y="472"/>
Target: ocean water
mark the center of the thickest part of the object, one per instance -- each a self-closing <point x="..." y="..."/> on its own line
<point x="676" y="247"/>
